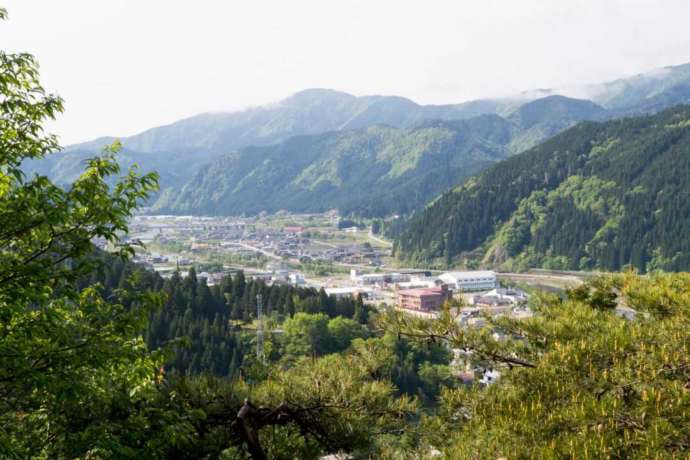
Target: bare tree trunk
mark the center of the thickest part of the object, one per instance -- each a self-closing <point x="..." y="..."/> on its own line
<point x="247" y="432"/>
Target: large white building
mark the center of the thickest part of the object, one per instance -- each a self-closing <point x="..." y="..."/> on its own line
<point x="344" y="292"/>
<point x="480" y="280"/>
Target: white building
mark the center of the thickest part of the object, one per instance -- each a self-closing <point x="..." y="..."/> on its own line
<point x="501" y="296"/>
<point x="417" y="284"/>
<point x="261" y="276"/>
<point x="363" y="279"/>
<point x="397" y="277"/>
<point x="372" y="278"/>
<point x="280" y="276"/>
<point x="480" y="280"/>
<point x="344" y="292"/>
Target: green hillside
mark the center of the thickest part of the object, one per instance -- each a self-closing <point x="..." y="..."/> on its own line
<point x="545" y="117"/>
<point x="172" y="166"/>
<point x="375" y="171"/>
<point x="599" y="195"/>
<point x="367" y="170"/>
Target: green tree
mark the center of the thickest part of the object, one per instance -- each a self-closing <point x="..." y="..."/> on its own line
<point x="306" y="334"/>
<point x="66" y="355"/>
<point x="435" y="377"/>
<point x="317" y="406"/>
<point x="342" y="331"/>
<point x="361" y="310"/>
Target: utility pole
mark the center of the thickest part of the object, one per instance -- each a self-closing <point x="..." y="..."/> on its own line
<point x="259" y="330"/>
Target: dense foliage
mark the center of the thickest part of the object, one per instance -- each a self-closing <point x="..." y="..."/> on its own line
<point x="211" y="329"/>
<point x="602" y="373"/>
<point x="597" y="196"/>
<point x="216" y="322"/>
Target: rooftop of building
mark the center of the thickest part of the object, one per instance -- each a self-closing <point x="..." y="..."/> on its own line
<point x="421" y="291"/>
<point x="471" y="274"/>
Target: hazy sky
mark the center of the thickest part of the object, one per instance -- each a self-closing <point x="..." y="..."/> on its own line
<point x="127" y="65"/>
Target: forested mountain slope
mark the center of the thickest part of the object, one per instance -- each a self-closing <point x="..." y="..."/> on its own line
<point x="370" y="170"/>
<point x="177" y="150"/>
<point x="375" y="171"/>
<point x="599" y="195"/>
<point x="542" y="118"/>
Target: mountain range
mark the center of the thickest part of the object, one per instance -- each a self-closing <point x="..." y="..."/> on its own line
<point x="375" y="171"/>
<point x="324" y="140"/>
<point x="597" y="196"/>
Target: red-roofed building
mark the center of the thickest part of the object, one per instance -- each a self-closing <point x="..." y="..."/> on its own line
<point x="423" y="299"/>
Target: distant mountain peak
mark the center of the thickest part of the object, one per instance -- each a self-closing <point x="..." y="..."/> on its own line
<point x="557" y="107"/>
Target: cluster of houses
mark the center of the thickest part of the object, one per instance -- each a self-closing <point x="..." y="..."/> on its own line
<point x="172" y="228"/>
<point x="248" y="237"/>
<point x="350" y="254"/>
<point x="500" y="297"/>
<point x="290" y="242"/>
<point x="418" y="290"/>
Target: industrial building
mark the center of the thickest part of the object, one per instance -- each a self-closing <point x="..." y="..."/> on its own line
<point x="480" y="280"/>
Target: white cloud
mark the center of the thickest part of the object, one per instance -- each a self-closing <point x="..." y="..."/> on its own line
<point x="126" y="65"/>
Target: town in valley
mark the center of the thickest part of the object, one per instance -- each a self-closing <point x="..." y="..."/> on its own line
<point x="345" y="258"/>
